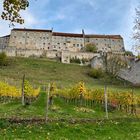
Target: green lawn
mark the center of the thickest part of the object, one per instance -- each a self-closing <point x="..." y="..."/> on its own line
<point x="112" y="130"/>
<point x="41" y="71"/>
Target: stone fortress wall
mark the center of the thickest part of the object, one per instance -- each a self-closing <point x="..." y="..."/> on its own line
<point x="33" y="42"/>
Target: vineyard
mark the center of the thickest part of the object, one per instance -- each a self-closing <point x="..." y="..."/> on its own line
<point x="81" y="96"/>
<point x="76" y="108"/>
<point x="8" y="92"/>
<point x="77" y="95"/>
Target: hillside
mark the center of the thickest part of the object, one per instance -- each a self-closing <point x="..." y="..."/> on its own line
<point x="66" y="117"/>
<point x="41" y="71"/>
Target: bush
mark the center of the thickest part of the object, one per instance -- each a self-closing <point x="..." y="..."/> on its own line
<point x="3" y="59"/>
<point x="96" y="73"/>
<point x="84" y="60"/>
<point x="75" y="60"/>
<point x="91" y="48"/>
<point x="129" y="53"/>
<point x="78" y="61"/>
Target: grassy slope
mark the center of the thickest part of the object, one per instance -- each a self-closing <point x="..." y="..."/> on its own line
<point x="115" y="130"/>
<point x="42" y="71"/>
<point x="63" y="131"/>
<point x="39" y="72"/>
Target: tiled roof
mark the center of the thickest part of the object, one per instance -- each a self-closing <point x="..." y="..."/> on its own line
<point x="70" y="34"/>
<point x="31" y="30"/>
<point x="67" y="34"/>
<point x="104" y="36"/>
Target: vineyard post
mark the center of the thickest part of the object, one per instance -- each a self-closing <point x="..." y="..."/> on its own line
<point x="23" y="96"/>
<point x="47" y="103"/>
<point x="133" y="107"/>
<point x="105" y="94"/>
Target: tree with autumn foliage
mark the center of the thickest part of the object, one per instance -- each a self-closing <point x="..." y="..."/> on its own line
<point x="11" y="10"/>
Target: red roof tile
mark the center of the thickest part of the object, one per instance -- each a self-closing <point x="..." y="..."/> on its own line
<point x="31" y="30"/>
<point x="67" y="34"/>
<point x="70" y="34"/>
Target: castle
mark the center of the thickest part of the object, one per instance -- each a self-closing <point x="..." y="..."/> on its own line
<point x="35" y="42"/>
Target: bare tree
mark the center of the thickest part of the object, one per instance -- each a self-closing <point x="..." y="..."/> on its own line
<point x="136" y="34"/>
<point x="113" y="63"/>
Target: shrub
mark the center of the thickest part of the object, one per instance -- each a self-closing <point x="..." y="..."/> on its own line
<point x="129" y="53"/>
<point x="91" y="48"/>
<point x="75" y="60"/>
<point x="96" y="73"/>
<point x="3" y="59"/>
<point x="78" y="61"/>
<point x="84" y="60"/>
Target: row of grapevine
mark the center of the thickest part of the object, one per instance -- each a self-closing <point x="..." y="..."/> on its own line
<point x="8" y="92"/>
<point x="80" y="95"/>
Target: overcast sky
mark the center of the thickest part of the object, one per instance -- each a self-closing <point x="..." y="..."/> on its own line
<point x="95" y="16"/>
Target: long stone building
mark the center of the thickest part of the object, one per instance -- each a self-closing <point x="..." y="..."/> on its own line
<point x="28" y="42"/>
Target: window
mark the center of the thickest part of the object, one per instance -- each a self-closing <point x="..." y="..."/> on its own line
<point x="43" y="43"/>
<point x="48" y="48"/>
<point x="77" y="45"/>
<point x="74" y="45"/>
<point x="64" y="43"/>
<point x="58" y="43"/>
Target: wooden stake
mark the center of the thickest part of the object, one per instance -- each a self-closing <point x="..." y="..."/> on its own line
<point x="105" y="94"/>
<point x="23" y="98"/>
<point x="47" y="102"/>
